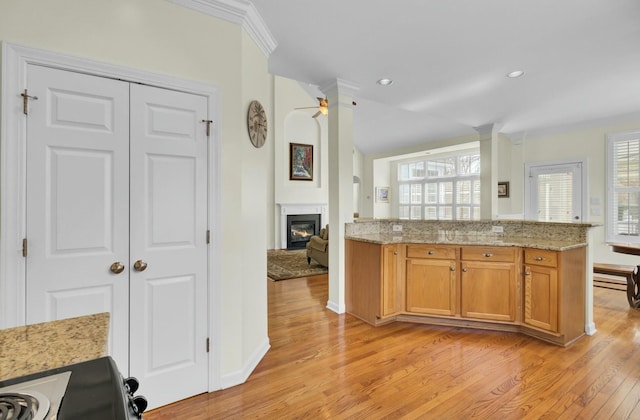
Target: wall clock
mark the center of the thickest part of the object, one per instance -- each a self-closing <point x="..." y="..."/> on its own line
<point x="257" y="124"/>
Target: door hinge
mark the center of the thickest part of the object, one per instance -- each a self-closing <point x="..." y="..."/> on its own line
<point x="24" y="247"/>
<point x="25" y="101"/>
<point x="207" y="344"/>
<point x="208" y="122"/>
<point x="208" y="236"/>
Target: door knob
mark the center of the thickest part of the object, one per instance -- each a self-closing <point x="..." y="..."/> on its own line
<point x="140" y="265"/>
<point x="117" y="267"/>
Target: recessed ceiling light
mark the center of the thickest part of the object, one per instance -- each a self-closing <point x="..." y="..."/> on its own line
<point x="516" y="73"/>
<point x="385" y="82"/>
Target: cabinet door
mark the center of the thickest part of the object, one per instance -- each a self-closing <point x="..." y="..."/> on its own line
<point x="488" y="290"/>
<point x="389" y="292"/>
<point x="541" y="297"/>
<point x="431" y="286"/>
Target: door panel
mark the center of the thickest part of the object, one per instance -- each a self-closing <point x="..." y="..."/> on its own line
<point x="77" y="218"/>
<point x="168" y="232"/>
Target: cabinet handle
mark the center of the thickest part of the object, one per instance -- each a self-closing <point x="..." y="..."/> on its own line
<point x="431" y="252"/>
<point x="488" y="255"/>
<point x="527" y="273"/>
<point x="464" y="269"/>
<point x="453" y="269"/>
<point x="395" y="253"/>
<point x="539" y="259"/>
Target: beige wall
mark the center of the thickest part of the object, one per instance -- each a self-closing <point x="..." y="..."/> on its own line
<point x="161" y="37"/>
<point x="586" y="143"/>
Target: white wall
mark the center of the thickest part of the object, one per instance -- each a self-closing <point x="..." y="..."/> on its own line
<point x="296" y="126"/>
<point x="161" y="37"/>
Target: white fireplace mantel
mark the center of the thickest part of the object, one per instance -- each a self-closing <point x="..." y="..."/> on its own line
<point x="295" y="209"/>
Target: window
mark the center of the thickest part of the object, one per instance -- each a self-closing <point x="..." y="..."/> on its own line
<point x="623" y="187"/>
<point x="440" y="188"/>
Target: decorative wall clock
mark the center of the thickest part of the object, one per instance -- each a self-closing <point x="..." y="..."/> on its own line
<point x="257" y="124"/>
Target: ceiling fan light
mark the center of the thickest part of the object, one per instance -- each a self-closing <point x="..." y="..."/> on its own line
<point x="323" y="110"/>
<point x="385" y="82"/>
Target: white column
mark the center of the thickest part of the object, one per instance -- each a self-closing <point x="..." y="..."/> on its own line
<point x="488" y="136"/>
<point x="340" y="96"/>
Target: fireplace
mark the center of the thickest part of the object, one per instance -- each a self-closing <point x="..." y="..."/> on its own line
<point x="300" y="228"/>
<point x="308" y="211"/>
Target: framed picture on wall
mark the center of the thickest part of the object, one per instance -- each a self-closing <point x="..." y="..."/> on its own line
<point x="382" y="194"/>
<point x="503" y="189"/>
<point x="300" y="162"/>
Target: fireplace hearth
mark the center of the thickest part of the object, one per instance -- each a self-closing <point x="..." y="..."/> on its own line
<point x="300" y="228"/>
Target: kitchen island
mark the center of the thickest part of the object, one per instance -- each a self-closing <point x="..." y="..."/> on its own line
<point x="526" y="277"/>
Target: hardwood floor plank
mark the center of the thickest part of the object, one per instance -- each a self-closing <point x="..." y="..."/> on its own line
<point x="328" y="366"/>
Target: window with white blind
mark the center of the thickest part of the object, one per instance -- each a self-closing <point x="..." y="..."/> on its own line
<point x="623" y="187"/>
<point x="440" y="187"/>
<point x="554" y="192"/>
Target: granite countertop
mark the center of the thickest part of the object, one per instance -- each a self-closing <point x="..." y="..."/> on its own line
<point x="38" y="347"/>
<point x="456" y="238"/>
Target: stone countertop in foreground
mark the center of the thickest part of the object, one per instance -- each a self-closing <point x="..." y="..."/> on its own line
<point x="466" y="239"/>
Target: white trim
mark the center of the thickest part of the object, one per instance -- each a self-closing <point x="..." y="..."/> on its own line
<point x="15" y="59"/>
<point x="240" y="376"/>
<point x="242" y="12"/>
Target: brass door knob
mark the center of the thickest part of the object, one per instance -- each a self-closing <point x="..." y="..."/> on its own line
<point x="117" y="267"/>
<point x="140" y="265"/>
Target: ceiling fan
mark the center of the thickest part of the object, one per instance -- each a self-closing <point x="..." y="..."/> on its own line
<point x="323" y="107"/>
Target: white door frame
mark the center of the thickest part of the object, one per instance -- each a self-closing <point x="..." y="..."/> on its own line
<point x="584" y="180"/>
<point x="15" y="59"/>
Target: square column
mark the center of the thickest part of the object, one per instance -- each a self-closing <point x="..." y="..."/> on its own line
<point x="340" y="97"/>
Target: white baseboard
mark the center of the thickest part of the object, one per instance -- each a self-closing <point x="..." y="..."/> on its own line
<point x="339" y="309"/>
<point x="240" y="376"/>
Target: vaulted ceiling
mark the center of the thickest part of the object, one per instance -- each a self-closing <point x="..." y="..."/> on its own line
<point x="448" y="60"/>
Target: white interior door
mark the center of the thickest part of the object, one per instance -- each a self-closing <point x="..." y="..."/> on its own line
<point x="77" y="194"/>
<point x="117" y="172"/>
<point x="168" y="236"/>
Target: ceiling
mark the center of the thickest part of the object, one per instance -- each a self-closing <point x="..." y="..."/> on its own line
<point x="449" y="59"/>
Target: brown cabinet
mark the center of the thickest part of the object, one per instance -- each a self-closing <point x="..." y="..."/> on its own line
<point x="431" y="280"/>
<point x="489" y="281"/>
<point x="554" y="293"/>
<point x="541" y="289"/>
<point x="371" y="289"/>
<point x="389" y="283"/>
<point x="472" y="286"/>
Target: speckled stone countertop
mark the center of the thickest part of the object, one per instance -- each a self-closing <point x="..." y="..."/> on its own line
<point x="466" y="239"/>
<point x="48" y="345"/>
<point x="520" y="233"/>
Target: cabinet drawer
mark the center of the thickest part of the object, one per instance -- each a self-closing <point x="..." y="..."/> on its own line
<point x="541" y="257"/>
<point x="431" y="251"/>
<point x="489" y="253"/>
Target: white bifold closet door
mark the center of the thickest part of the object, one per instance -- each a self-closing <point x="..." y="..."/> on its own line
<point x="116" y="221"/>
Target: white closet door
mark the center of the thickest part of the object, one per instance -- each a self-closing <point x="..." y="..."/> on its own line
<point x="77" y="219"/>
<point x="168" y="234"/>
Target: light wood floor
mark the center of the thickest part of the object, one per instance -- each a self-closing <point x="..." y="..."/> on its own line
<point x="327" y="366"/>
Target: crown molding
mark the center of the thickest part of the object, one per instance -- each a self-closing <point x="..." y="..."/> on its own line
<point x="241" y="12"/>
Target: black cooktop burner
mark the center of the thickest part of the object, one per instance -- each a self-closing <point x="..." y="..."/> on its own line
<point x="18" y="406"/>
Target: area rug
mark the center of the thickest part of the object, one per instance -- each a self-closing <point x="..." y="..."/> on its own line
<point x="283" y="264"/>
